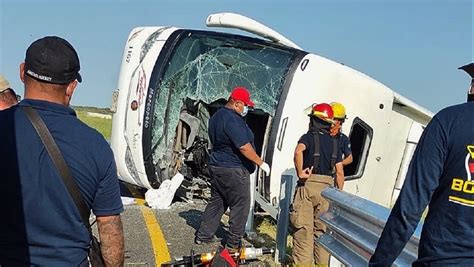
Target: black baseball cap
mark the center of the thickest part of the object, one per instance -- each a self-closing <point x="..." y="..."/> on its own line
<point x="469" y="68"/>
<point x="52" y="60"/>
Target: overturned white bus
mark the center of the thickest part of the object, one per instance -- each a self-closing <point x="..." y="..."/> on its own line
<point x="172" y="80"/>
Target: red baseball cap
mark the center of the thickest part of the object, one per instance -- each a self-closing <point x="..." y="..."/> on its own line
<point x="242" y="94"/>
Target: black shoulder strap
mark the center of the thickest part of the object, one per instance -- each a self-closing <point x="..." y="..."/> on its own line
<point x="335" y="148"/>
<point x="59" y="163"/>
<point x="316" y="153"/>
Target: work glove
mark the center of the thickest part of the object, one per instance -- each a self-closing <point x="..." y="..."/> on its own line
<point x="266" y="168"/>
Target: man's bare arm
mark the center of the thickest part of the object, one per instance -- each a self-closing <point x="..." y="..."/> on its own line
<point x="339" y="175"/>
<point x="298" y="159"/>
<point x="248" y="152"/>
<point x="347" y="160"/>
<point x="111" y="240"/>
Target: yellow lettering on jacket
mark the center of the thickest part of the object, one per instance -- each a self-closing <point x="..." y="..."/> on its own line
<point x="457" y="184"/>
<point x="461" y="185"/>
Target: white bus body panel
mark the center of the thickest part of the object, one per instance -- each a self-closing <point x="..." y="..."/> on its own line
<point x="127" y="124"/>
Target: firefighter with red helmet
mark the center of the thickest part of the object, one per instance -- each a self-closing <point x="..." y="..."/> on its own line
<point x="318" y="158"/>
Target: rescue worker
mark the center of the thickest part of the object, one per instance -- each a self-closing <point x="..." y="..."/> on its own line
<point x="336" y="131"/>
<point x="440" y="175"/>
<point x="41" y="224"/>
<point x="8" y="97"/>
<point x="232" y="160"/>
<point x="317" y="159"/>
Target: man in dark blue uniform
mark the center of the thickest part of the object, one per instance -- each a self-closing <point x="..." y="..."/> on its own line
<point x="344" y="143"/>
<point x="317" y="160"/>
<point x="232" y="160"/>
<point x="440" y="174"/>
<point x="40" y="224"/>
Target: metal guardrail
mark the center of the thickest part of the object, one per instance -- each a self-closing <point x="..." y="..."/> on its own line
<point x="354" y="227"/>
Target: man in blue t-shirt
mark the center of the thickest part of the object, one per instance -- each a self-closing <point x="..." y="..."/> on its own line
<point x="231" y="162"/>
<point x="41" y="225"/>
<point x="344" y="143"/>
<point x="440" y="175"/>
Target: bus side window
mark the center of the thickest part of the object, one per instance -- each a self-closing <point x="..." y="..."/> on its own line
<point x="360" y="137"/>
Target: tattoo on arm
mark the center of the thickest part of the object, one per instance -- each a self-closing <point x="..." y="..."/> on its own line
<point x="111" y="239"/>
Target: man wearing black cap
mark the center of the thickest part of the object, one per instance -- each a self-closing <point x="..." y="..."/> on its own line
<point x="440" y="175"/>
<point x="233" y="159"/>
<point x="42" y="224"/>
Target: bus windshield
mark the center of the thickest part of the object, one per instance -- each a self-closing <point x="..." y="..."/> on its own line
<point x="204" y="68"/>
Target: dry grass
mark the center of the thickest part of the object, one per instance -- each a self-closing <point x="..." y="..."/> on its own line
<point x="267" y="229"/>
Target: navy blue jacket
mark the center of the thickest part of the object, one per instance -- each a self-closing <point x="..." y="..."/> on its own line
<point x="440" y="174"/>
<point x="40" y="224"/>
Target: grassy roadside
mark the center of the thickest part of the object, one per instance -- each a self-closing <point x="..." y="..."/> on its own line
<point x="104" y="126"/>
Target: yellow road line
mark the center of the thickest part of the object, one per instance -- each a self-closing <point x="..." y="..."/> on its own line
<point x="158" y="242"/>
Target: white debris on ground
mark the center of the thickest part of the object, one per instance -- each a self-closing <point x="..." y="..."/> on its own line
<point x="161" y="198"/>
<point x="128" y="200"/>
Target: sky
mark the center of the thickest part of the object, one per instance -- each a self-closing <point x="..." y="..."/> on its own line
<point x="413" y="47"/>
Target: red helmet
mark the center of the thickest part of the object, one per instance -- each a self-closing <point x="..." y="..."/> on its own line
<point x="323" y="111"/>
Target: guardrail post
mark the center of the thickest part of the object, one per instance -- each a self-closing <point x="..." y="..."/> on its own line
<point x="286" y="197"/>
<point x="249" y="227"/>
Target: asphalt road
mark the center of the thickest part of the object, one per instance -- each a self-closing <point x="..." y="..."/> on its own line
<point x="155" y="236"/>
<point x="177" y="226"/>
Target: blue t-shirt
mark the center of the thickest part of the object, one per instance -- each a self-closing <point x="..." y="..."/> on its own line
<point x="40" y="224"/>
<point x="345" y="145"/>
<point x="228" y="132"/>
<point x="440" y="174"/>
<point x="326" y="146"/>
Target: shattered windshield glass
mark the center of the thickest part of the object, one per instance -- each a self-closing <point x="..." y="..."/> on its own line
<point x="206" y="68"/>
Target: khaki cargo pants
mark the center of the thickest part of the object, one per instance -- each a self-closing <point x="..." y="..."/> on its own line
<point x="308" y="205"/>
